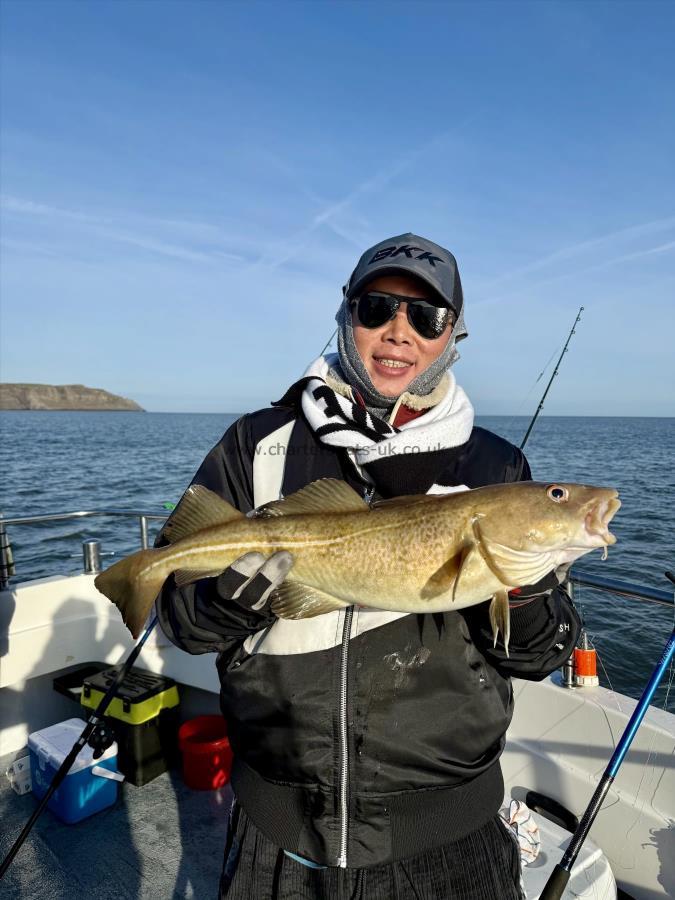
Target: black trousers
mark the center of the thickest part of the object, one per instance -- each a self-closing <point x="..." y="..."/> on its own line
<point x="484" y="865"/>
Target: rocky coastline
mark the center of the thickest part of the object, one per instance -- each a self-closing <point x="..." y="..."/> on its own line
<point x="63" y="397"/>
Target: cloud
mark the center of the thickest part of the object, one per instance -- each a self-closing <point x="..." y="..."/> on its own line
<point x="29" y="207"/>
<point x="639" y="254"/>
<point x="633" y="232"/>
<point x="577" y="249"/>
<point x="108" y="228"/>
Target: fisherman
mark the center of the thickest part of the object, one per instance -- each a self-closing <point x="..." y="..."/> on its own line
<point x="367" y="743"/>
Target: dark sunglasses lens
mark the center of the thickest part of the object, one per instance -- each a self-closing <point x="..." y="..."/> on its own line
<point x="375" y="309"/>
<point x="428" y="320"/>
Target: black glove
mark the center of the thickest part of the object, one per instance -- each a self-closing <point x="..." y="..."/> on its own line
<point x="250" y="580"/>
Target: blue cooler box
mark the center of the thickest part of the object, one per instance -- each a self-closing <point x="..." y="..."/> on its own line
<point x="91" y="784"/>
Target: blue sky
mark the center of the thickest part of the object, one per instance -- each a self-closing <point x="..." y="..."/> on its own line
<point x="187" y="185"/>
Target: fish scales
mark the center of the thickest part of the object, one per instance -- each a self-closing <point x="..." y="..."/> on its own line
<point x="410" y="554"/>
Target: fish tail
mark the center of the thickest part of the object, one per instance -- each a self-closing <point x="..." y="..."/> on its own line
<point x="132" y="584"/>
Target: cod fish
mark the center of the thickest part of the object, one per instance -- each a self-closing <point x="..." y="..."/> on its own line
<point x="416" y="554"/>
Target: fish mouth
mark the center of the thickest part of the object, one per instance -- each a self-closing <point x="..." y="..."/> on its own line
<point x="598" y="519"/>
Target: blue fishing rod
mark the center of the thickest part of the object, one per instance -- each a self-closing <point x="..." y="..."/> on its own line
<point x="558" y="879"/>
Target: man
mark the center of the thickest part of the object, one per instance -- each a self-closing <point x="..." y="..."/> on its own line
<point x="367" y="742"/>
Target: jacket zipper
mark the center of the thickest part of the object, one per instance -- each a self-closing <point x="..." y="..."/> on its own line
<point x="344" y="756"/>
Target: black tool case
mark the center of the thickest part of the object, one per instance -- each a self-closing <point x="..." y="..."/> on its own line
<point x="143" y="716"/>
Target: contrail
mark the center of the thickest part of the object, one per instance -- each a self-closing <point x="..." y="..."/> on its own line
<point x="617" y="260"/>
<point x="573" y="250"/>
<point x="375" y="183"/>
<point x="107" y="227"/>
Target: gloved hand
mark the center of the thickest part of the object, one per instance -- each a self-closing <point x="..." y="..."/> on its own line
<point x="250" y="580"/>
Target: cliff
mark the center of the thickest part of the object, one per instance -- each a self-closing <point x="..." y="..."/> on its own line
<point x="62" y="396"/>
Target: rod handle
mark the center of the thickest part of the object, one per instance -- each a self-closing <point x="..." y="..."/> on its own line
<point x="556" y="884"/>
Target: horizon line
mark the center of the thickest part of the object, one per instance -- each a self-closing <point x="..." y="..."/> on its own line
<point x="193" y="412"/>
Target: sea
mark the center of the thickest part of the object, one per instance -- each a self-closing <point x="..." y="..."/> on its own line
<point x="59" y="462"/>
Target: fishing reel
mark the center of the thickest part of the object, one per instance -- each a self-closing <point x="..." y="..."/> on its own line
<point x="101" y="738"/>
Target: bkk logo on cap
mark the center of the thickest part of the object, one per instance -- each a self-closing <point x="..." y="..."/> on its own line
<point x="408" y="250"/>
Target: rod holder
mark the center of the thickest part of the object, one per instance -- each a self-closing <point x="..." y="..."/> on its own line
<point x="91" y="553"/>
<point x="568" y="673"/>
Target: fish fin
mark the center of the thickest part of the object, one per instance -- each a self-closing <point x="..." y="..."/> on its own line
<point x="485" y="553"/>
<point x="525" y="566"/>
<point x="199" y="508"/>
<point x="500" y="618"/>
<point x="187" y="576"/>
<point x="514" y="568"/>
<point x="447" y="576"/>
<point x="132" y="584"/>
<point x="322" y="496"/>
<point x="293" y="600"/>
<point x="471" y="557"/>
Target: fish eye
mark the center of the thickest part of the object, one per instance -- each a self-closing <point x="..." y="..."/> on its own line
<point x="557" y="493"/>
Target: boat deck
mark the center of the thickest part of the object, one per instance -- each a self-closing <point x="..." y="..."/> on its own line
<point x="158" y="841"/>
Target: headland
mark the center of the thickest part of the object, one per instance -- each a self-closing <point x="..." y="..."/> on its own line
<point x="64" y="397"/>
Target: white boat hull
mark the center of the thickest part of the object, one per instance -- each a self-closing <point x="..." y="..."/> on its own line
<point x="559" y="743"/>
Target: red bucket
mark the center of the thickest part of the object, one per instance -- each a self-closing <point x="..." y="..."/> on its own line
<point x="207" y="757"/>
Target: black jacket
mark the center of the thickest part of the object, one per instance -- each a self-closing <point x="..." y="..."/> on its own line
<point x="362" y="737"/>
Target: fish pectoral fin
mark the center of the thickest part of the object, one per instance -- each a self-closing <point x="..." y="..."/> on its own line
<point x="446" y="577"/>
<point x="322" y="496"/>
<point x="187" y="576"/>
<point x="500" y="618"/>
<point x="488" y="558"/>
<point x="513" y="568"/>
<point x="523" y="566"/>
<point x="199" y="508"/>
<point x="293" y="600"/>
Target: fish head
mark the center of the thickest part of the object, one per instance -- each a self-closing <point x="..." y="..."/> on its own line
<point x="561" y="520"/>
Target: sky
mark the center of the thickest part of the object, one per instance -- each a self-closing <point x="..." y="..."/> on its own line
<point x="186" y="186"/>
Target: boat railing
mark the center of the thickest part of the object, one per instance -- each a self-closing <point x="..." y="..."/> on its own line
<point x="91" y="549"/>
<point x="91" y="554"/>
<point x="623" y="588"/>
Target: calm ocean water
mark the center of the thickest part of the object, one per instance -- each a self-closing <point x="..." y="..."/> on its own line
<point x="64" y="461"/>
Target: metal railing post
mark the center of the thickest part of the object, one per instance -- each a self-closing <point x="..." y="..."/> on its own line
<point x="567" y="669"/>
<point x="6" y="557"/>
<point x="91" y="552"/>
<point x="144" y="532"/>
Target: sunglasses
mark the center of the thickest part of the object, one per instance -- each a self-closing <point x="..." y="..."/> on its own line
<point x="376" y="308"/>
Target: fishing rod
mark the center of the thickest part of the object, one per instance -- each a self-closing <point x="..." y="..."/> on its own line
<point x="555" y="886"/>
<point x="328" y="343"/>
<point x="555" y="372"/>
<point x="98" y="741"/>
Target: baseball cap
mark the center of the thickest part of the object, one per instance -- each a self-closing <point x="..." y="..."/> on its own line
<point x="410" y="254"/>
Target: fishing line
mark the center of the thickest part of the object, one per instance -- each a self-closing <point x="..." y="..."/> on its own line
<point x="615" y="695"/>
<point x="646" y="778"/>
<point x="519" y="409"/>
<point x="649" y="754"/>
<point x="591" y="637"/>
<point x="559" y="878"/>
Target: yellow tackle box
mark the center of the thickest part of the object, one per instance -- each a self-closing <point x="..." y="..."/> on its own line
<point x="141" y="696"/>
<point x="143" y="716"/>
